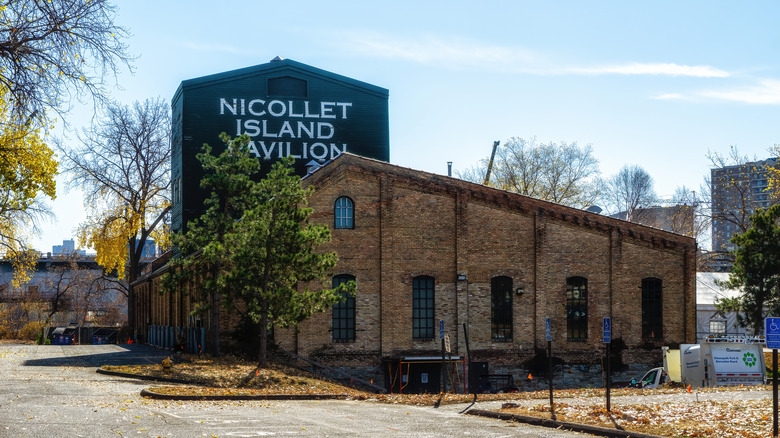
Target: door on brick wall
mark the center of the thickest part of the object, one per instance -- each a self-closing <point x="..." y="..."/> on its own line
<point x="413" y="377"/>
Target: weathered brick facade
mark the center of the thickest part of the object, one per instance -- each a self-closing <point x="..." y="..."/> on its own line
<point x="409" y="223"/>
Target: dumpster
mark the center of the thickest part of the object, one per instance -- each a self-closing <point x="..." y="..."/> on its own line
<point x="63" y="336"/>
<point x="104" y="336"/>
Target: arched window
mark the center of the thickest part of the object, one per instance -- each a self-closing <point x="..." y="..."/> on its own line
<point x="422" y="307"/>
<point x="652" y="308"/>
<point x="344" y="213"/>
<point x="344" y="312"/>
<point x="501" y="308"/>
<point x="576" y="309"/>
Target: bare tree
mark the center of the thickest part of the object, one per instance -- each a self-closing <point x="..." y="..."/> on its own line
<point x="564" y="173"/>
<point x="686" y="216"/>
<point x="629" y="191"/>
<point x="52" y="51"/>
<point x="123" y="165"/>
<point x="737" y="185"/>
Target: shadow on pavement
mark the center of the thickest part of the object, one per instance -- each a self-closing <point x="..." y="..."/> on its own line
<point x="97" y="355"/>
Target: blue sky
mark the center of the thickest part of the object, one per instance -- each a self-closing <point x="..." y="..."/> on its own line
<point x="657" y="84"/>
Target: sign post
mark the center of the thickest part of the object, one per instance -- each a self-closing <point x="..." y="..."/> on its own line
<point x="772" y="330"/>
<point x="443" y="357"/>
<point x="607" y="330"/>
<point x="548" y="335"/>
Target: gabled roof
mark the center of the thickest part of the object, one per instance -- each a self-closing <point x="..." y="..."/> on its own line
<point x="278" y="65"/>
<point x="433" y="182"/>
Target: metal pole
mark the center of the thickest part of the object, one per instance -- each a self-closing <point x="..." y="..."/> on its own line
<point x="550" y="377"/>
<point x="608" y="378"/>
<point x="468" y="352"/>
<point x="774" y="392"/>
<point x="443" y="368"/>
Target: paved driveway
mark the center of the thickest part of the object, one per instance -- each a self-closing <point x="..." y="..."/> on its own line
<point x="53" y="391"/>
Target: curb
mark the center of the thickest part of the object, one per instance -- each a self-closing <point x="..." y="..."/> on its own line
<point x="574" y="427"/>
<point x="150" y="394"/>
<point x="144" y="377"/>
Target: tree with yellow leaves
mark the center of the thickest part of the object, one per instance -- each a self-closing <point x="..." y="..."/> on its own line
<point x="51" y="52"/>
<point x="27" y="172"/>
<point x="122" y="163"/>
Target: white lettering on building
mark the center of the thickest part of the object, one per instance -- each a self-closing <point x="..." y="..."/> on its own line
<point x="274" y="136"/>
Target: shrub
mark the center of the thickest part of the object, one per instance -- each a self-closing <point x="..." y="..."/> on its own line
<point x="31" y="331"/>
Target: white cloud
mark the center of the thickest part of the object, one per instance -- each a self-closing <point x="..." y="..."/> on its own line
<point x="667" y="69"/>
<point x="455" y="52"/>
<point x="767" y="91"/>
<point x="762" y="92"/>
<point x="452" y="52"/>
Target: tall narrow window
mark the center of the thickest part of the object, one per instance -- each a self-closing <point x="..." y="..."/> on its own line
<point x="652" y="308"/>
<point x="344" y="213"/>
<point x="422" y="307"/>
<point x="344" y="312"/>
<point x="577" y="309"/>
<point x="501" y="308"/>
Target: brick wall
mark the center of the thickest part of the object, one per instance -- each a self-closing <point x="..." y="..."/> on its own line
<point x="410" y="223"/>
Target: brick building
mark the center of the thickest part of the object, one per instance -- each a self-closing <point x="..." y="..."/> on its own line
<point x="425" y="248"/>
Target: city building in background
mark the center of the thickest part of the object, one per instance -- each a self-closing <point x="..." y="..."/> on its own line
<point x="150" y="250"/>
<point x="62" y="290"/>
<point x="737" y="191"/>
<point x="678" y="219"/>
<point x="67" y="248"/>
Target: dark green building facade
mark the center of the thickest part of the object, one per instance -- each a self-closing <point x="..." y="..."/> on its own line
<point x="287" y="108"/>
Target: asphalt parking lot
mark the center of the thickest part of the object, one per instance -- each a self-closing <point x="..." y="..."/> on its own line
<point x="54" y="391"/>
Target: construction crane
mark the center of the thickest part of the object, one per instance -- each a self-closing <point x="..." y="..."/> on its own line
<point x="490" y="163"/>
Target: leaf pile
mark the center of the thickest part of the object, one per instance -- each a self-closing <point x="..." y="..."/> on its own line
<point x="230" y="375"/>
<point x="745" y="418"/>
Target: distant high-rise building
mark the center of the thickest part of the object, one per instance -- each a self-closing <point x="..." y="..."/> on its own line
<point x="68" y="247"/>
<point x="737" y="191"/>
<point x="149" y="251"/>
<point x="676" y="218"/>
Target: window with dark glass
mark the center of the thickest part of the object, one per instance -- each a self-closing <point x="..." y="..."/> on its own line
<point x="576" y="309"/>
<point x="422" y="307"/>
<point x="501" y="308"/>
<point x="344" y="312"/>
<point x="652" y="308"/>
<point x="344" y="213"/>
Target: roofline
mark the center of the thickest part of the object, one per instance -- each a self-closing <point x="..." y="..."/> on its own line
<point x="501" y="196"/>
<point x="278" y="65"/>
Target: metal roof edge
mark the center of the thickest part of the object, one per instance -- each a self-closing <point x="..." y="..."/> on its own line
<point x="270" y="67"/>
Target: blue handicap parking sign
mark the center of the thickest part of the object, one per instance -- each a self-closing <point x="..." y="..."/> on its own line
<point x="772" y="330"/>
<point x="547" y="331"/>
<point x="607" y="330"/>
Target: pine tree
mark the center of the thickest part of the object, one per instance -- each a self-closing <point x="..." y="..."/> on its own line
<point x="202" y="257"/>
<point x="756" y="271"/>
<point x="256" y="244"/>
